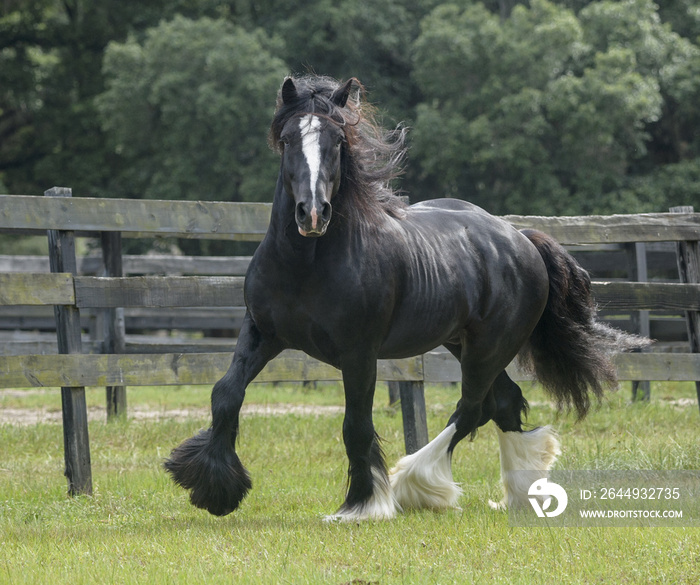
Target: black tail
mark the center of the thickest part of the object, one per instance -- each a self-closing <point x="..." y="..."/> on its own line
<point x="569" y="350"/>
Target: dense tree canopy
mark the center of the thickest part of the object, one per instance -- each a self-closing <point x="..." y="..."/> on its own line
<point x="550" y="111"/>
<point x="188" y="110"/>
<point x="548" y="107"/>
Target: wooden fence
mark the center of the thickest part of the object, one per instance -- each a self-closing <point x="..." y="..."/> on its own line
<point x="70" y="293"/>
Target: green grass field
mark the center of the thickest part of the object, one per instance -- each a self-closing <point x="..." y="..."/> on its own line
<point x="139" y="528"/>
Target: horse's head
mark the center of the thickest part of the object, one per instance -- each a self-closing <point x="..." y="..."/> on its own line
<point x="311" y="145"/>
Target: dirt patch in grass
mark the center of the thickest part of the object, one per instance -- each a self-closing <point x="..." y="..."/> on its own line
<point x="31" y="416"/>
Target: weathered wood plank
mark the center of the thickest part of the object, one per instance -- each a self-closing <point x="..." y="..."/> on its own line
<point x="207" y="368"/>
<point x="23" y="263"/>
<point x="76" y="441"/>
<point x="441" y="366"/>
<point x="105" y="292"/>
<point x="646" y="295"/>
<point x="688" y="261"/>
<point x="597" y="262"/>
<point x="20" y="288"/>
<point x="164" y="264"/>
<point x="111" y="369"/>
<point x="661" y="367"/>
<point x="184" y="219"/>
<point x="222" y="291"/>
<point x="415" y="424"/>
<point x="193" y="219"/>
<point x="168" y="369"/>
<point x="603" y="229"/>
<point x="159" y="291"/>
<point x="194" y="265"/>
<point x="115" y="396"/>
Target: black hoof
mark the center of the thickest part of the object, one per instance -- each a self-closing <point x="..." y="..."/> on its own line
<point x="217" y="480"/>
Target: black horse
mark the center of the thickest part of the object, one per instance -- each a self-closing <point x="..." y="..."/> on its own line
<point x="348" y="273"/>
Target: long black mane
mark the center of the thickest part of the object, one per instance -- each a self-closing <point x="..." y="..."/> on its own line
<point x="372" y="157"/>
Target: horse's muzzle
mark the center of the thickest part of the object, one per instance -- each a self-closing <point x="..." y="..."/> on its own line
<point x="312" y="222"/>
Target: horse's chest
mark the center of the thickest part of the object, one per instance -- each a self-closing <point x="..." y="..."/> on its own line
<point x="315" y="317"/>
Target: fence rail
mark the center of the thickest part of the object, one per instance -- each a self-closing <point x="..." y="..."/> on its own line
<point x="167" y="369"/>
<point x="221" y="291"/>
<point x="248" y="221"/>
<point x="25" y="284"/>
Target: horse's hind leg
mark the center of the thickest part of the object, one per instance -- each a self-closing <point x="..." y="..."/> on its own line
<point x="207" y="464"/>
<point x="424" y="479"/>
<point x="526" y="456"/>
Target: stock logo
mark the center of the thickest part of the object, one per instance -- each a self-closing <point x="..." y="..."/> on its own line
<point x="545" y="490"/>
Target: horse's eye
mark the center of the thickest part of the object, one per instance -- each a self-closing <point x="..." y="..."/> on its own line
<point x="283" y="142"/>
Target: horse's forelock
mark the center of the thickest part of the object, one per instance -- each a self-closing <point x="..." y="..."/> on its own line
<point x="313" y="96"/>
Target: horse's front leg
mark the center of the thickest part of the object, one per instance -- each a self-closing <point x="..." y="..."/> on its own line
<point x="207" y="464"/>
<point x="369" y="494"/>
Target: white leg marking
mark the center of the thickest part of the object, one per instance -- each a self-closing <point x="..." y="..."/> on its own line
<point x="381" y="506"/>
<point x="525" y="458"/>
<point x="311" y="147"/>
<point x="424" y="478"/>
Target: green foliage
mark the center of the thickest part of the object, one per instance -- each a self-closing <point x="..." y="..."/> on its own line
<point x="367" y="40"/>
<point x="187" y="110"/>
<point x="548" y="112"/>
<point x="183" y="109"/>
<point x="50" y="70"/>
<point x="549" y="106"/>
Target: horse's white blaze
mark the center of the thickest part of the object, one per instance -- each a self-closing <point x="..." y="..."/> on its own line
<point x="424" y="478"/>
<point x="381" y="506"/>
<point x="311" y="148"/>
<point x="525" y="458"/>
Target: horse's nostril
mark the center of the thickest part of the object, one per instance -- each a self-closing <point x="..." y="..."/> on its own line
<point x="301" y="213"/>
<point x="326" y="211"/>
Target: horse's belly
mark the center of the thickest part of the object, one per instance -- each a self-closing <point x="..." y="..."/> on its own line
<point x="416" y="332"/>
<point x="404" y="348"/>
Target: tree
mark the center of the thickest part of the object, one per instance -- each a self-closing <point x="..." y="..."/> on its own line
<point x="187" y="112"/>
<point x="565" y="106"/>
<point x="547" y="111"/>
<point x="50" y="61"/>
<point x="355" y="38"/>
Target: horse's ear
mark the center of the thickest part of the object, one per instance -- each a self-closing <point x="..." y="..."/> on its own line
<point x="289" y="91"/>
<point x="340" y="95"/>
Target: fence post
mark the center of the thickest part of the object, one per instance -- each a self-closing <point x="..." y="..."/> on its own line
<point x="394" y="393"/>
<point x="114" y="322"/>
<point x="637" y="270"/>
<point x="415" y="424"/>
<point x="688" y="257"/>
<point x="76" y="442"/>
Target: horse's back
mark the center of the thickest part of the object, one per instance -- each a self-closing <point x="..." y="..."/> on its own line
<point x="464" y="268"/>
<point x="463" y="223"/>
<point x="448" y="204"/>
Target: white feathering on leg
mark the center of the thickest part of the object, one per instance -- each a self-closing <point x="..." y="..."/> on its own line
<point x="424" y="478"/>
<point x="525" y="458"/>
<point x="381" y="506"/>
